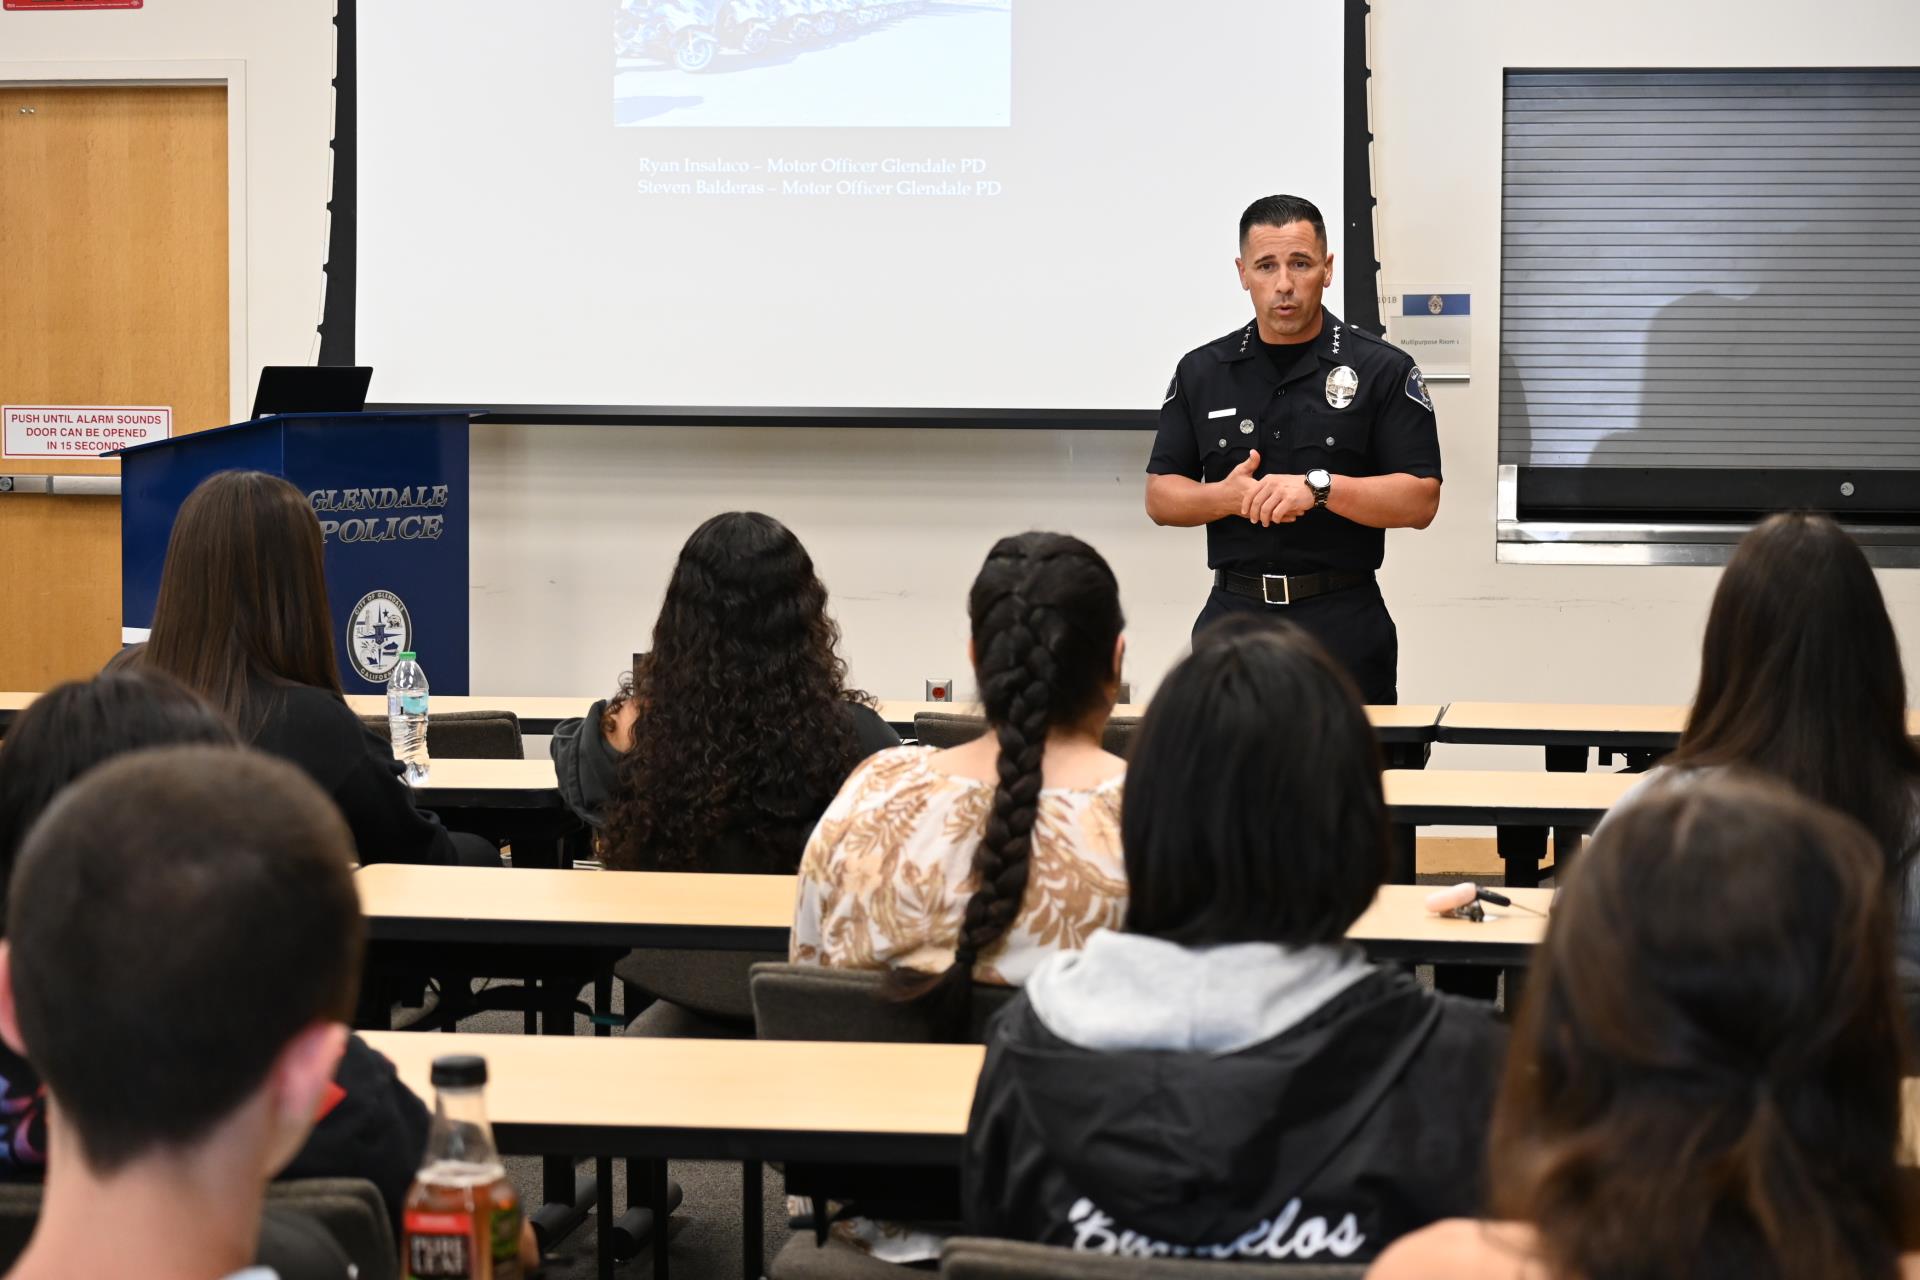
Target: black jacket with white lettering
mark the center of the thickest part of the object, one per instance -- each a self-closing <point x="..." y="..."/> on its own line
<point x="1363" y="1122"/>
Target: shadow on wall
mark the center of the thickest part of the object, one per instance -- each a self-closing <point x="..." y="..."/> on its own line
<point x="1740" y="372"/>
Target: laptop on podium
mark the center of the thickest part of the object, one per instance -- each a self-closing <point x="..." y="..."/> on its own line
<point x="308" y="388"/>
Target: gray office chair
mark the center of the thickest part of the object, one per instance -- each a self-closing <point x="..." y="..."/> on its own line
<point x="950" y="728"/>
<point x="465" y="735"/>
<point x="352" y="1212"/>
<point x="700" y="994"/>
<point x="19" y="1210"/>
<point x="967" y="1258"/>
<point x="349" y="1210"/>
<point x="807" y="1002"/>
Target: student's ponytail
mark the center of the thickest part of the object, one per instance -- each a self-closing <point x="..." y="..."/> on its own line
<point x="1046" y="613"/>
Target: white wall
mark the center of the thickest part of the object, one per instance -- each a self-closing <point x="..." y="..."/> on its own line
<point x="575" y="528"/>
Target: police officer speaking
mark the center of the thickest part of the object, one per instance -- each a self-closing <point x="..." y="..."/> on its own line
<point x="1298" y="441"/>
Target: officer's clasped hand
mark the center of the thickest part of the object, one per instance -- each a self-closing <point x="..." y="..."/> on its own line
<point x="1268" y="500"/>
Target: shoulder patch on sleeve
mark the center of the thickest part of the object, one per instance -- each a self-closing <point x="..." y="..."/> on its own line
<point x="1417" y="389"/>
<point x="1173" y="387"/>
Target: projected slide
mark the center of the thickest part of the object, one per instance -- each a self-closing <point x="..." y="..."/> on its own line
<point x="1018" y="204"/>
<point x="813" y="63"/>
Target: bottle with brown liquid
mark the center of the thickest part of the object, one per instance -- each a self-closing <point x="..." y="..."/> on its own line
<point x="462" y="1214"/>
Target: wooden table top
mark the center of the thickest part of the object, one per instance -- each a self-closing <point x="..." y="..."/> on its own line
<point x="577" y="908"/>
<point x="1414" y="723"/>
<point x="1399" y="927"/>
<point x="504" y="784"/>
<point x="712" y="1099"/>
<point x="1563" y="724"/>
<point x="677" y="909"/>
<point x="739" y="1099"/>
<point x="1502" y="797"/>
<point x="537" y="713"/>
<point x="1629" y="726"/>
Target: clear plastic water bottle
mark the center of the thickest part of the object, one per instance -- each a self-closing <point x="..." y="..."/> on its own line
<point x="407" y="717"/>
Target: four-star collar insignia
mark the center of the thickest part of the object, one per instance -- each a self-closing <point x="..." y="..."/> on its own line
<point x="1333" y="334"/>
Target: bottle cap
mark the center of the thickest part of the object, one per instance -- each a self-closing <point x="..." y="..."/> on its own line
<point x="407" y="655"/>
<point x="459" y="1071"/>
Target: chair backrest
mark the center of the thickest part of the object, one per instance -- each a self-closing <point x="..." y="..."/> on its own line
<point x="713" y="984"/>
<point x="968" y="1258"/>
<point x="466" y="735"/>
<point x="945" y="729"/>
<point x="19" y="1210"/>
<point x="807" y="1002"/>
<point x="349" y="1209"/>
<point x="352" y="1212"/>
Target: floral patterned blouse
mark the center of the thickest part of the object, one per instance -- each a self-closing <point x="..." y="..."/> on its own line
<point x="887" y="873"/>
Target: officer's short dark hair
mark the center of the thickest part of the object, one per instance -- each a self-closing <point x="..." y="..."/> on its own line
<point x="177" y="916"/>
<point x="1279" y="211"/>
<point x="1254" y="810"/>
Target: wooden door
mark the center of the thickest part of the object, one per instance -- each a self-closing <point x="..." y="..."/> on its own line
<point x="113" y="291"/>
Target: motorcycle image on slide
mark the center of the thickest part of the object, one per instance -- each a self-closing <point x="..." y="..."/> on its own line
<point x="689" y="34"/>
<point x="792" y="20"/>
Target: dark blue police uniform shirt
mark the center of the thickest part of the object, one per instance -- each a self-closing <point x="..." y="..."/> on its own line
<point x="1228" y="397"/>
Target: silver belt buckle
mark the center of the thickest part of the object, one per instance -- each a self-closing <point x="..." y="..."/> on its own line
<point x="1266" y="588"/>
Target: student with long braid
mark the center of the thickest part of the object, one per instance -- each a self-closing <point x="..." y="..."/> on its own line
<point x="974" y="863"/>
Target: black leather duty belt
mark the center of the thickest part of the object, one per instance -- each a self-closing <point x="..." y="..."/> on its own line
<point x="1281" y="588"/>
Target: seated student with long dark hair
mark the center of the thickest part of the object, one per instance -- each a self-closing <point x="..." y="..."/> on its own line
<point x="375" y="1128"/>
<point x="739" y="726"/>
<point x="242" y="619"/>
<point x="1705" y="1078"/>
<point x="737" y="730"/>
<point x="1226" y="1077"/>
<point x="1801" y="680"/>
<point x="974" y="863"/>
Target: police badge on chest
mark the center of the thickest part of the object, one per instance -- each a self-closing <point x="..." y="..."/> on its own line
<point x="1342" y="385"/>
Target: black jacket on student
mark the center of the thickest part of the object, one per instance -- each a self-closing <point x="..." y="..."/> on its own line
<point x="314" y="729"/>
<point x="1358" y="1124"/>
<point x="370" y="1126"/>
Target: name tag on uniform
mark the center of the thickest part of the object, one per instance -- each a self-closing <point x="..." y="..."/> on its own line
<point x="1223" y="413"/>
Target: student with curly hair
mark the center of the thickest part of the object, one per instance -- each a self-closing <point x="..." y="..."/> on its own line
<point x="737" y="729"/>
<point x="973" y="863"/>
<point x="739" y="725"/>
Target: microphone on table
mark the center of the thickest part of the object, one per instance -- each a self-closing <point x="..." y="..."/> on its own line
<point x="1464" y="900"/>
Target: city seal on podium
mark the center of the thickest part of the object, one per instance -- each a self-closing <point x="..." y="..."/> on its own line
<point x="378" y="630"/>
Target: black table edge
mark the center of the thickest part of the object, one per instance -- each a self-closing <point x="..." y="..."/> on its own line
<point x="1468" y="815"/>
<point x="764" y="1145"/>
<point x="571" y="933"/>
<point x="1605" y="739"/>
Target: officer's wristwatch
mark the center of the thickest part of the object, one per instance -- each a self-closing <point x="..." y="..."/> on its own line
<point x="1321" y="483"/>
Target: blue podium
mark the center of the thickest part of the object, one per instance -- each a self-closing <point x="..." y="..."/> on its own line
<point x="390" y="492"/>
